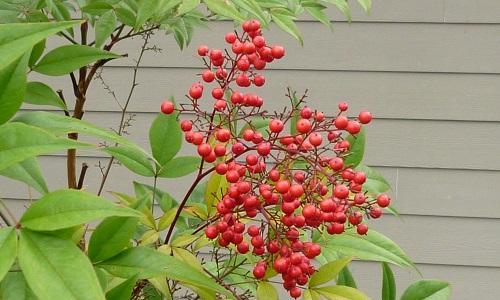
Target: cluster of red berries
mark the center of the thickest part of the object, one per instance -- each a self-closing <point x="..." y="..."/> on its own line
<point x="291" y="181"/>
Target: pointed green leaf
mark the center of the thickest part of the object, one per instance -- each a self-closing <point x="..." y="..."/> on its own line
<point x="180" y="166"/>
<point x="427" y="290"/>
<point x="111" y="237"/>
<point x="375" y="183"/>
<point x="346" y="278"/>
<point x="357" y="149"/>
<point x="12" y="87"/>
<point x="312" y="295"/>
<point x="8" y="249"/>
<point x="66" y="59"/>
<point x="27" y="171"/>
<point x="104" y="26"/>
<point x="224" y="8"/>
<point x="97" y="8"/>
<point x="18" y="38"/>
<point x="41" y="94"/>
<point x="15" y="287"/>
<point x="147" y="8"/>
<point x="216" y="188"/>
<point x="317" y="11"/>
<point x="36" y="53"/>
<point x="372" y="246"/>
<point x="266" y="291"/>
<point x="328" y="271"/>
<point x="165" y="137"/>
<point x="149" y="263"/>
<point x="343" y="7"/>
<point x="123" y="291"/>
<point x="285" y="21"/>
<point x="20" y="142"/>
<point x="187" y="6"/>
<point x="66" y="208"/>
<point x="135" y="160"/>
<point x="388" y="283"/>
<point x="57" y="269"/>
<point x="366" y="5"/>
<point x="253" y="8"/>
<point x="339" y="292"/>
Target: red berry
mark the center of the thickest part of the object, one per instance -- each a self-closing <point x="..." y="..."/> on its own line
<point x="217" y="93"/>
<point x="306" y="112"/>
<point x="204" y="150"/>
<point x="362" y="229"/>
<point x="341" y="122"/>
<point x="202" y="50"/>
<point x="252" y="159"/>
<point x="315" y="139"/>
<point x="220" y="150"/>
<point x="336" y="163"/>
<point x="355" y="218"/>
<point x="223" y="135"/>
<point x="238" y="148"/>
<point x="327" y="205"/>
<point x="242" y="247"/>
<point x="383" y="200"/>
<point x="341" y="191"/>
<point x="196" y="91"/>
<point x="365" y="117"/>
<point x="249" y="48"/>
<point x="167" y="107"/>
<point x="221" y="73"/>
<point x="237" y="47"/>
<point x="208" y="76"/>
<point x="211" y="232"/>
<point x="230" y="37"/>
<point x="259" y="272"/>
<point x="343" y="106"/>
<point x="282" y="186"/>
<point x="295" y="292"/>
<point x="353" y="127"/>
<point x="303" y="126"/>
<point x="276" y="125"/>
<point x="221" y="168"/>
<point x="259" y="80"/>
<point x="253" y="230"/>
<point x="264" y="149"/>
<point x="259" y="41"/>
<point x="186" y="125"/>
<point x="296" y="190"/>
<point x="243" y="80"/>
<point x="375" y="212"/>
<point x="243" y="64"/>
<point x="309" y="211"/>
<point x="220" y="105"/>
<point x="278" y="52"/>
<point x="359" y="177"/>
<point x="215" y="54"/>
<point x="232" y="176"/>
<point x="359" y="199"/>
<point x="237" y="98"/>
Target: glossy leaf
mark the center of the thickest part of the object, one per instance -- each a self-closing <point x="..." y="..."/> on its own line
<point x="147" y="8"/>
<point x="66" y="208"/>
<point x="111" y="237"/>
<point x="285" y="20"/>
<point x="216" y="188"/>
<point x="56" y="268"/>
<point x="96" y="8"/>
<point x="41" y="94"/>
<point x="27" y="171"/>
<point x="18" y="38"/>
<point x="187" y="6"/>
<point x="427" y="290"/>
<point x="8" y="249"/>
<point x="224" y="8"/>
<point x="123" y="291"/>
<point x="68" y="58"/>
<point x="36" y="52"/>
<point x="328" y="271"/>
<point x="373" y="246"/>
<point x="317" y="11"/>
<point x="20" y="142"/>
<point x="346" y="278"/>
<point x="135" y="160"/>
<point x="12" y="87"/>
<point x="375" y="183"/>
<point x="180" y="166"/>
<point x="165" y="138"/>
<point x="388" y="283"/>
<point x="266" y="291"/>
<point x="335" y="292"/>
<point x="311" y="295"/>
<point x="252" y="6"/>
<point x="15" y="287"/>
<point x="357" y="149"/>
<point x="104" y="26"/>
<point x="149" y="263"/>
<point x="187" y="257"/>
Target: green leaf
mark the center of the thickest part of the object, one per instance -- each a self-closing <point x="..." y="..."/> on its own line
<point x="104" y="26"/>
<point x="66" y="59"/>
<point x="357" y="149"/>
<point x="216" y="188"/>
<point x="62" y="125"/>
<point x="295" y="113"/>
<point x="165" y="138"/>
<point x="180" y="166"/>
<point x="8" y="249"/>
<point x="311" y="295"/>
<point x="12" y="87"/>
<point x="266" y="291"/>
<point x="123" y="291"/>
<point x="253" y="8"/>
<point x="18" y="38"/>
<point x="187" y="6"/>
<point x="224" y="8"/>
<point x="145" y="192"/>
<point x="257" y="124"/>
<point x="36" y="53"/>
<point x="27" y="171"/>
<point x="66" y="208"/>
<point x="20" y="142"/>
<point x="388" y="283"/>
<point x="339" y="292"/>
<point x="427" y="290"/>
<point x="343" y="7"/>
<point x="147" y="8"/>
<point x="41" y="94"/>
<point x="135" y="160"/>
<point x="111" y="237"/>
<point x="346" y="278"/>
<point x="366" y="4"/>
<point x="15" y="287"/>
<point x="316" y="10"/>
<point x="56" y="268"/>
<point x="97" y="8"/>
<point x="285" y="20"/>
<point x="328" y="271"/>
<point x="149" y="263"/>
<point x="372" y="246"/>
<point x="375" y="183"/>
<point x="125" y="14"/>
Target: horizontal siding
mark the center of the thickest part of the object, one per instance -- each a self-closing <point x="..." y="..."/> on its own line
<point x="447" y="96"/>
<point x="358" y="46"/>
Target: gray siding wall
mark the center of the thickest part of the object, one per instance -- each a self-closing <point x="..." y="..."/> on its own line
<point x="430" y="72"/>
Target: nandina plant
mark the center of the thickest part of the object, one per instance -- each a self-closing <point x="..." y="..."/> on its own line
<point x="280" y="201"/>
